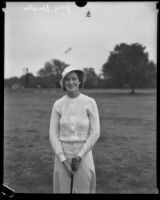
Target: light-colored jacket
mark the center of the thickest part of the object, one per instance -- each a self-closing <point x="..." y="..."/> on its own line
<point x="74" y="120"/>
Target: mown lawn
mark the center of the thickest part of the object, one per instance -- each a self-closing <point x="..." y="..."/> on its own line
<point x="125" y="154"/>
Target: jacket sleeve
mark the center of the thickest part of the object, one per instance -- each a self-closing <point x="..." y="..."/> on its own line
<point x="94" y="129"/>
<point x="54" y="131"/>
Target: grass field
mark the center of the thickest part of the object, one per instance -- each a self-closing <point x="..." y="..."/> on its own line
<point x="125" y="154"/>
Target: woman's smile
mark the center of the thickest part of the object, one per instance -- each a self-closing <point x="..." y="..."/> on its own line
<point x="71" y="86"/>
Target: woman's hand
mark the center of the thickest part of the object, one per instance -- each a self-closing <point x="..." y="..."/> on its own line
<point x="75" y="163"/>
<point x="68" y="168"/>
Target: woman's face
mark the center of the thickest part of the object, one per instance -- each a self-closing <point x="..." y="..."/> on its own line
<point x="72" y="82"/>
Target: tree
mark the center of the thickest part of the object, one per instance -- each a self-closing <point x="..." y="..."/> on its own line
<point x="26" y="80"/>
<point x="150" y="75"/>
<point x="52" y="72"/>
<point x="11" y="81"/>
<point x="91" y="78"/>
<point x="103" y="81"/>
<point x="128" y="64"/>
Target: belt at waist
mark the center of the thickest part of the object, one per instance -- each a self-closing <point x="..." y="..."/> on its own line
<point x="73" y="138"/>
<point x="71" y="149"/>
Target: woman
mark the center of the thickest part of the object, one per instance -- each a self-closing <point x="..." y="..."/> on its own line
<point x="74" y="129"/>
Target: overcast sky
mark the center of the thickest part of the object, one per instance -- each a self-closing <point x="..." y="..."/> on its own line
<point x="38" y="32"/>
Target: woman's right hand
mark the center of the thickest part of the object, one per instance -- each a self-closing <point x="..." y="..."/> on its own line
<point x="68" y="168"/>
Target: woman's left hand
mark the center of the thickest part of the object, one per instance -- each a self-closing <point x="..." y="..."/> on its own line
<point x="75" y="163"/>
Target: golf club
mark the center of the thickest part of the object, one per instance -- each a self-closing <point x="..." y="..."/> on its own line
<point x="71" y="188"/>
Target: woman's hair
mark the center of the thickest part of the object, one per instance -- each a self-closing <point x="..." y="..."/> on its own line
<point x="80" y="77"/>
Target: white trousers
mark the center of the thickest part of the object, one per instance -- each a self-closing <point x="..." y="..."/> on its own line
<point x="84" y="177"/>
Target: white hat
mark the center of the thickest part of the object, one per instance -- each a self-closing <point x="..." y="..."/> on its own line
<point x="69" y="69"/>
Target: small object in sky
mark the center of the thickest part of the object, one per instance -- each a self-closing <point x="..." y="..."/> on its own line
<point x="69" y="49"/>
<point x="88" y="14"/>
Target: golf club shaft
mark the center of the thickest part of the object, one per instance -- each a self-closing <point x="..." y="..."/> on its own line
<point x="72" y="177"/>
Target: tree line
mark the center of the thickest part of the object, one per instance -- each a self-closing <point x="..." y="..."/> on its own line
<point x="127" y="66"/>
